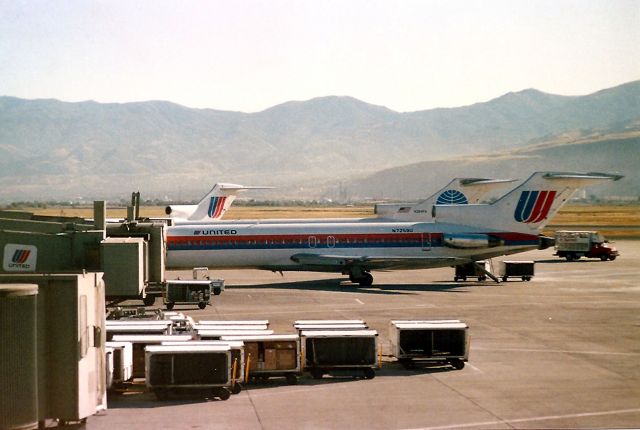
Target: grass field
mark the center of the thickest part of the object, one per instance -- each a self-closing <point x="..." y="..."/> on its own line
<point x="611" y="220"/>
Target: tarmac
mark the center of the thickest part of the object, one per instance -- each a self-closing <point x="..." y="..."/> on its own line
<point x="560" y="351"/>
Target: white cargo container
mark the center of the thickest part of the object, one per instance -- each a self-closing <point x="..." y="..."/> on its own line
<point x="328" y="351"/>
<point x="169" y="368"/>
<point x="140" y="342"/>
<point x="237" y="358"/>
<point x="430" y="342"/>
<point x="122" y="363"/>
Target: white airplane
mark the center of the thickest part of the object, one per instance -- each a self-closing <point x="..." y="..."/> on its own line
<point x="458" y="191"/>
<point x="458" y="234"/>
<point x="211" y="207"/>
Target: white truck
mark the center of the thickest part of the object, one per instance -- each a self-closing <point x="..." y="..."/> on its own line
<point x="590" y="244"/>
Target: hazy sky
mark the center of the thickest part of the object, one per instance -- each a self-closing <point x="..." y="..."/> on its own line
<point x="250" y="55"/>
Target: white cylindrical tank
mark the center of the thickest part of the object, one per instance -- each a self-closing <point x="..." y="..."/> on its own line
<point x="19" y="371"/>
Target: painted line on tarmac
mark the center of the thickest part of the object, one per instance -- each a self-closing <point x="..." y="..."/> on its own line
<point x="557" y="351"/>
<point x="533" y="419"/>
<point x="360" y="301"/>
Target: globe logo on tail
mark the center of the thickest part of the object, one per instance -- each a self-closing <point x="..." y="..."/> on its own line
<point x="534" y="206"/>
<point x="452" y="197"/>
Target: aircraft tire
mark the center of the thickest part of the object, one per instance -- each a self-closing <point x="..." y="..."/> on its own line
<point x="366" y="280"/>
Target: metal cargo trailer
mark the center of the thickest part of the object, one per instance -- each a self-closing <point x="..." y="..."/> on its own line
<point x="328" y="351"/>
<point x="237" y="358"/>
<point x="270" y="355"/>
<point x="430" y="342"/>
<point x="217" y="333"/>
<point x="169" y="368"/>
<point x="516" y="269"/>
<point x="471" y="270"/>
<point x="187" y="292"/>
<point x="235" y="322"/>
<point x="140" y="342"/>
<point x="122" y="363"/>
<point x="137" y="329"/>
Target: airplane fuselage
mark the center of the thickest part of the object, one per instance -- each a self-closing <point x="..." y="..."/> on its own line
<point x="293" y="246"/>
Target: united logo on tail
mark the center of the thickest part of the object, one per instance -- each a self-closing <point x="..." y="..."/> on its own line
<point x="20" y="256"/>
<point x="215" y="206"/>
<point x="534" y="206"/>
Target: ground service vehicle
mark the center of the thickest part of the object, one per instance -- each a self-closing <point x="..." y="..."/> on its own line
<point x="575" y="244"/>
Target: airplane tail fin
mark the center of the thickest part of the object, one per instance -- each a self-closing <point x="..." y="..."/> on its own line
<point x="528" y="207"/>
<point x="212" y="206"/>
<point x="460" y="191"/>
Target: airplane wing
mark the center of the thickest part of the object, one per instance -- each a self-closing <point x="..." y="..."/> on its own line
<point x="375" y="262"/>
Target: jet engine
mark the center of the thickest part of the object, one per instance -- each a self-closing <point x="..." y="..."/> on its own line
<point x="471" y="240"/>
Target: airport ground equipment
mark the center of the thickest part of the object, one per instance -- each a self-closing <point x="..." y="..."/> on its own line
<point x="169" y="368"/>
<point x="164" y="328"/>
<point x="430" y="342"/>
<point x="202" y="273"/>
<point x="217" y="333"/>
<point x="122" y="366"/>
<point x="188" y="292"/>
<point x="270" y="355"/>
<point x="237" y="358"/>
<point x="140" y="342"/>
<point x="70" y="346"/>
<point x="516" y="269"/>
<point x="471" y="270"/>
<point x="573" y="245"/>
<point x="264" y="323"/>
<point x="340" y="351"/>
<point x="19" y="367"/>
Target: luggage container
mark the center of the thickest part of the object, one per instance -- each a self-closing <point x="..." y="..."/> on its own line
<point x="516" y="269"/>
<point x="329" y="322"/>
<point x="216" y="334"/>
<point x="199" y="326"/>
<point x="430" y="342"/>
<point x="140" y="342"/>
<point x="470" y="270"/>
<point x="187" y="292"/>
<point x="137" y="329"/>
<point x="270" y="355"/>
<point x="329" y="351"/>
<point x="235" y="322"/>
<point x="303" y="327"/>
<point x="122" y="363"/>
<point x="169" y="368"/>
<point x="237" y="358"/>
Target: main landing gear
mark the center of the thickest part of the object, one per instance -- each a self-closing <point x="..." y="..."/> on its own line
<point x="365" y="279"/>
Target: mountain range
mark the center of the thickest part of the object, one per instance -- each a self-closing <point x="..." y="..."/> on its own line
<point x="51" y="149"/>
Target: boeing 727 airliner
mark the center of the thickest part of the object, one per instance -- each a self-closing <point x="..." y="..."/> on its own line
<point x="457" y="234"/>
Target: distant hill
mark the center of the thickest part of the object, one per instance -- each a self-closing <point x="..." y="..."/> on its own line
<point x="584" y="151"/>
<point x="53" y="149"/>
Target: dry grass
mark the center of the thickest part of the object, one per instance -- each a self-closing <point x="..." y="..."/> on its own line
<point x="599" y="216"/>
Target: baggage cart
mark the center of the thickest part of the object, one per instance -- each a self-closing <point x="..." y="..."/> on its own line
<point x="137" y="329"/>
<point x="270" y="355"/>
<point x="237" y="358"/>
<point x="122" y="357"/>
<point x="187" y="292"/>
<point x="235" y="322"/>
<point x="430" y="342"/>
<point x="169" y="368"/>
<point x="217" y="333"/>
<point x="516" y="269"/>
<point x="470" y="270"/>
<point x="338" y="351"/>
<point x="140" y="342"/>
